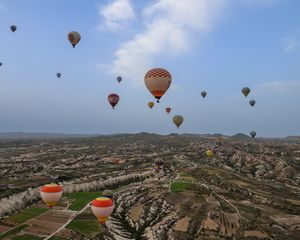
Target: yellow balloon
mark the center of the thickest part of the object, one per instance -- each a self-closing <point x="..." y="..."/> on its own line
<point x="150" y="104"/>
<point x="209" y="153"/>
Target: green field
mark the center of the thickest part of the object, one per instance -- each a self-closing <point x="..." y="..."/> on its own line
<point x="185" y="175"/>
<point x="89" y="228"/>
<point x="80" y="199"/>
<point x="26" y="214"/>
<point x="179" y="186"/>
<point x="13" y="231"/>
<point x="26" y="237"/>
<point x="57" y="238"/>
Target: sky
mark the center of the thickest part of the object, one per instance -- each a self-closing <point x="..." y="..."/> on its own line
<point x="219" y="46"/>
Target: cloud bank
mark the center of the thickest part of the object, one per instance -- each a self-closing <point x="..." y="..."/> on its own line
<point x="168" y="29"/>
<point x="117" y="14"/>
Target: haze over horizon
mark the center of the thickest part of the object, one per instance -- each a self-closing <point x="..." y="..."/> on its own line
<point x="218" y="47"/>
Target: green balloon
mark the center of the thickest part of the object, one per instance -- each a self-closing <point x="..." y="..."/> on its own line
<point x="178" y="120"/>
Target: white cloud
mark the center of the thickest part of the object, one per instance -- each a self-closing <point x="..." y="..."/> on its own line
<point x="169" y="27"/>
<point x="291" y="43"/>
<point x="117" y="13"/>
<point x="279" y="87"/>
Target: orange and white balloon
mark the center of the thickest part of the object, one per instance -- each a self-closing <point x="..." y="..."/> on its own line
<point x="74" y="38"/>
<point x="158" y="80"/>
<point x="51" y="194"/>
<point x="102" y="208"/>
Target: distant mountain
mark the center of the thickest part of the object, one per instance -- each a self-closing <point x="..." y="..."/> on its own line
<point x="203" y="135"/>
<point x="22" y="135"/>
<point x="240" y="136"/>
<point x="40" y="135"/>
<point x="293" y="137"/>
<point x="218" y="135"/>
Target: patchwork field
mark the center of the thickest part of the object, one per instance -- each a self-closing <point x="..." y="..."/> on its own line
<point x="48" y="222"/>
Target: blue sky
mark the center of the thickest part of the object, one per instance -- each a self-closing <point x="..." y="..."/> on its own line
<point x="219" y="46"/>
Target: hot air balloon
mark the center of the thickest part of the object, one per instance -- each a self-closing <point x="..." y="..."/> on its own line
<point x="158" y="164"/>
<point x="13" y="28"/>
<point x="252" y="102"/>
<point x="246" y="91"/>
<point x="108" y="194"/>
<point x="157" y="81"/>
<point x="209" y="153"/>
<point x="102" y="208"/>
<point x="113" y="99"/>
<point x="178" y="120"/>
<point x="253" y="134"/>
<point x="150" y="104"/>
<point x="51" y="194"/>
<point x="58" y="75"/>
<point x="74" y="38"/>
<point x="119" y="79"/>
<point x="203" y="94"/>
<point x="0" y="64"/>
<point x="168" y="109"/>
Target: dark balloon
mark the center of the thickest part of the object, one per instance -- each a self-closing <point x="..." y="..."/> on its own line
<point x="253" y="134"/>
<point x="252" y="102"/>
<point x="113" y="99"/>
<point x="58" y="75"/>
<point x="168" y="109"/>
<point x="108" y="194"/>
<point x="119" y="79"/>
<point x="0" y="64"/>
<point x="246" y="91"/>
<point x="203" y="94"/>
<point x="13" y="28"/>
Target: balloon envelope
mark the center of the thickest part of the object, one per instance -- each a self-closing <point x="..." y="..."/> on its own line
<point x="157" y="81"/>
<point x="13" y="28"/>
<point x="113" y="99"/>
<point x="119" y="79"/>
<point x="0" y="64"/>
<point x="246" y="91"/>
<point x="178" y="120"/>
<point x="168" y="109"/>
<point x="102" y="208"/>
<point x="108" y="194"/>
<point x="150" y="104"/>
<point x="51" y="194"/>
<point x="58" y="75"/>
<point x="252" y="102"/>
<point x="203" y="94"/>
<point x="209" y="153"/>
<point x="253" y="134"/>
<point x="74" y="38"/>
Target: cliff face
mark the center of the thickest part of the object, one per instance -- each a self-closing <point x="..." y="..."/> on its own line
<point x="153" y="219"/>
<point x="23" y="199"/>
